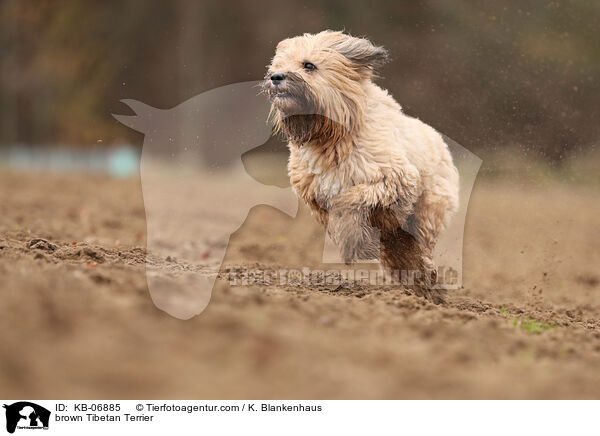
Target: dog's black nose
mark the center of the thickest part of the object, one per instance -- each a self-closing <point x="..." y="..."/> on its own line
<point x="276" y="78"/>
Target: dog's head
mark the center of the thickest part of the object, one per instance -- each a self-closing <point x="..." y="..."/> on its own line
<point x="316" y="84"/>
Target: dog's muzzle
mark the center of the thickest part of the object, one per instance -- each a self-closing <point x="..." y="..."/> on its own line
<point x="289" y="93"/>
<point x="277" y="78"/>
<point x="276" y="86"/>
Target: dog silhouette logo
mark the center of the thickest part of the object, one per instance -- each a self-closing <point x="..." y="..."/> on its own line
<point x="26" y="415"/>
<point x="198" y="191"/>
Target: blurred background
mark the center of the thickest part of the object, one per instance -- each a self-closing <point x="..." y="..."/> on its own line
<point x="517" y="83"/>
<point x="516" y="80"/>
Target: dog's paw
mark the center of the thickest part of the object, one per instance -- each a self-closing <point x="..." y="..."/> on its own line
<point x="435" y="295"/>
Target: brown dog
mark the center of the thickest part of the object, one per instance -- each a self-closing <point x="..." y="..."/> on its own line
<point x="382" y="182"/>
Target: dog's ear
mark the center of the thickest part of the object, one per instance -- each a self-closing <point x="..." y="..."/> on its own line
<point x="363" y="53"/>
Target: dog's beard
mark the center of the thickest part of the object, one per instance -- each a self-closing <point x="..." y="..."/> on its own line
<point x="298" y="115"/>
<point x="314" y="128"/>
<point x="294" y="97"/>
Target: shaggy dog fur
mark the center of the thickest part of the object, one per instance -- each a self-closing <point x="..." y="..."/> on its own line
<point x="382" y="182"/>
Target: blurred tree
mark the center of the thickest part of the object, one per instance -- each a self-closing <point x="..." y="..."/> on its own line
<point x="487" y="73"/>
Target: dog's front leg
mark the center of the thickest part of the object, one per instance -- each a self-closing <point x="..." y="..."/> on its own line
<point x="349" y="228"/>
<point x="350" y="211"/>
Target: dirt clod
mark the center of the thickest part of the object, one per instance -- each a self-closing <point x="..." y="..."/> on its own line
<point x="41" y="244"/>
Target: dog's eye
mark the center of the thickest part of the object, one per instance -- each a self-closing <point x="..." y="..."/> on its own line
<point x="308" y="66"/>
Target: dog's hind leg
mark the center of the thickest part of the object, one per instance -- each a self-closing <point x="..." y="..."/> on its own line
<point x="403" y="254"/>
<point x="433" y="211"/>
<point x="431" y="215"/>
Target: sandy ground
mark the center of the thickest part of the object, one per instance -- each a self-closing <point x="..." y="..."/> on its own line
<point x="78" y="322"/>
